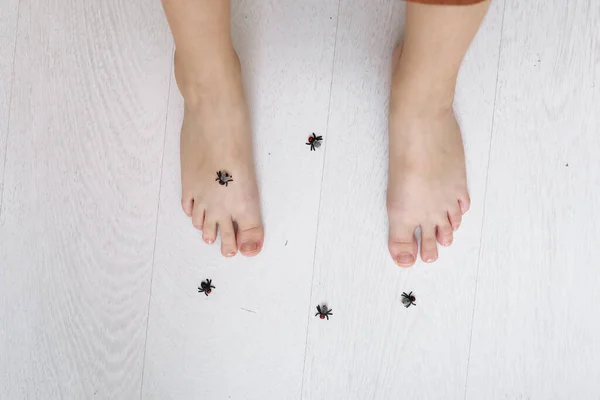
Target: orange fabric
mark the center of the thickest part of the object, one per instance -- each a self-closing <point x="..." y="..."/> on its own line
<point x="448" y="2"/>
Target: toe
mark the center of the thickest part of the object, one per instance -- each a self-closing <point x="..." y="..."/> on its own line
<point x="444" y="233"/>
<point x="228" y="243"/>
<point x="250" y="236"/>
<point x="198" y="216"/>
<point x="187" y="203"/>
<point x="428" y="246"/>
<point x="402" y="243"/>
<point x="250" y="240"/>
<point x="455" y="216"/>
<point x="209" y="230"/>
<point x="464" y="202"/>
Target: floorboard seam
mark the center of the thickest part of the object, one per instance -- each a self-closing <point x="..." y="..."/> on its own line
<point x="10" y="96"/>
<point x="337" y="22"/>
<point x="162" y="161"/>
<point x="487" y="177"/>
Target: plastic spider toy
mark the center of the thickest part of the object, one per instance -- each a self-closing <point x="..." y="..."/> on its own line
<point x="408" y="299"/>
<point x="206" y="287"/>
<point x="223" y="178"/>
<point x="323" y="312"/>
<point x="314" y="142"/>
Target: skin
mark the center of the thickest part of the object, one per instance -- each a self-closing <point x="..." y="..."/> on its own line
<point x="427" y="185"/>
<point x="427" y="181"/>
<point x="215" y="134"/>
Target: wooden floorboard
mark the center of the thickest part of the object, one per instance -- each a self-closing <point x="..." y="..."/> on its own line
<point x="536" y="334"/>
<point x="78" y="219"/>
<point x="374" y="348"/>
<point x="99" y="266"/>
<point x="247" y="340"/>
<point x="8" y="35"/>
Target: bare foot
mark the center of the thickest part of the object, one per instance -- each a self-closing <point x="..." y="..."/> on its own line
<point x="427" y="179"/>
<point x="215" y="136"/>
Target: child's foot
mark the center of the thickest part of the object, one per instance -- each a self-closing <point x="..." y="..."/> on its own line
<point x="427" y="179"/>
<point x="215" y="136"/>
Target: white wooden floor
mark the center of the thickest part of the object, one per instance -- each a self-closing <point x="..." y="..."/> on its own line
<point x="99" y="267"/>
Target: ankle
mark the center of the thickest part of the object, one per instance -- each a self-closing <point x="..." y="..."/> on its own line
<point x="421" y="89"/>
<point x="417" y="100"/>
<point x="200" y="78"/>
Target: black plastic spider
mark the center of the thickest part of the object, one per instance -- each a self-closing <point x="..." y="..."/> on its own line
<point x="408" y="299"/>
<point x="206" y="287"/>
<point x="223" y="178"/>
<point x="314" y="142"/>
<point x="323" y="312"/>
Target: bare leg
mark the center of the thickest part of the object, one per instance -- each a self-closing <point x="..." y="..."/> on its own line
<point x="215" y="135"/>
<point x="427" y="180"/>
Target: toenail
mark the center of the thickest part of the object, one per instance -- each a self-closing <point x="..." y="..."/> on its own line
<point x="230" y="254"/>
<point x="447" y="243"/>
<point x="430" y="259"/>
<point x="405" y="259"/>
<point x="249" y="246"/>
<point x="209" y="241"/>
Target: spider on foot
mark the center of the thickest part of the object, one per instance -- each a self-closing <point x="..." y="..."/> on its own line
<point x="314" y="142"/>
<point x="206" y="287"/>
<point x="323" y="312"/>
<point x="223" y="178"/>
<point x="408" y="299"/>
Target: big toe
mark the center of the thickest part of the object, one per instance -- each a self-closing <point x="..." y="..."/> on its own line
<point x="402" y="243"/>
<point x="250" y="238"/>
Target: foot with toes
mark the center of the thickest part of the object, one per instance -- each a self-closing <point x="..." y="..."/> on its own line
<point x="217" y="171"/>
<point x="427" y="185"/>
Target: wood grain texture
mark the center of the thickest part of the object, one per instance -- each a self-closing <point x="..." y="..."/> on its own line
<point x="374" y="348"/>
<point x="536" y="331"/>
<point x="80" y="197"/>
<point x="247" y="340"/>
<point x="8" y="35"/>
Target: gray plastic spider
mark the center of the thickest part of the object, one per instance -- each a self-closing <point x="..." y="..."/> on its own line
<point x="314" y="142"/>
<point x="323" y="312"/>
<point x="408" y="299"/>
<point x="223" y="178"/>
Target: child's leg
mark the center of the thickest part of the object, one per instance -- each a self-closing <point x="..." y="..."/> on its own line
<point x="215" y="135"/>
<point x="427" y="181"/>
